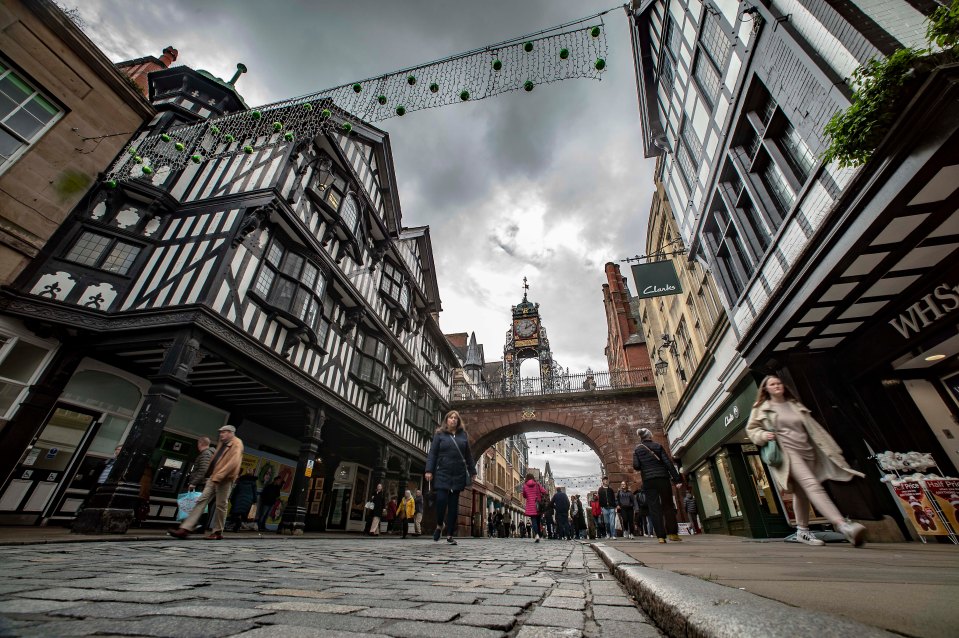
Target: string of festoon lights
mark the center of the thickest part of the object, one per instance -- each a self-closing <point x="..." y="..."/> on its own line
<point x="556" y="445"/>
<point x="578" y="483"/>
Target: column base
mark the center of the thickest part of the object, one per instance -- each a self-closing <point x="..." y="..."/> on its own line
<point x="102" y="520"/>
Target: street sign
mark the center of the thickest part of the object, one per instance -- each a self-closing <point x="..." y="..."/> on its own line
<point x="656" y="279"/>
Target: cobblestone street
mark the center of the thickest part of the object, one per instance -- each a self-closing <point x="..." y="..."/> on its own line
<point x="259" y="587"/>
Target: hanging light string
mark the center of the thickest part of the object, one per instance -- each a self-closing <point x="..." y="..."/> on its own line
<point x="541" y="445"/>
<point x="551" y="55"/>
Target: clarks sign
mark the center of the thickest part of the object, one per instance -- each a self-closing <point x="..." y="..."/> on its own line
<point x="943" y="300"/>
<point x="656" y="279"/>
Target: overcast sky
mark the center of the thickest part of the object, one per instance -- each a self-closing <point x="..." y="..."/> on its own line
<point x="548" y="185"/>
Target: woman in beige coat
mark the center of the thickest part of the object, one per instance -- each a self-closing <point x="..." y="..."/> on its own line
<point x="810" y="456"/>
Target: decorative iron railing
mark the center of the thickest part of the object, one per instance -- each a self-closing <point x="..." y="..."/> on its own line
<point x="557" y="384"/>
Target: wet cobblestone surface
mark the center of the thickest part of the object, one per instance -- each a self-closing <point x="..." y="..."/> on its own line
<point x="291" y="587"/>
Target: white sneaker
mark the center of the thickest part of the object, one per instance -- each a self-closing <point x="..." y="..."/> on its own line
<point x="805" y="536"/>
<point x="855" y="533"/>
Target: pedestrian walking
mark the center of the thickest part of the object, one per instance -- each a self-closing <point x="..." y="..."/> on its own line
<point x="405" y="512"/>
<point x="809" y="456"/>
<point x="451" y="463"/>
<point x="597" y="513"/>
<point x="224" y="468"/>
<point x="378" y="511"/>
<point x="607" y="503"/>
<point x="657" y="468"/>
<point x="625" y="506"/>
<point x="533" y="494"/>
<point x="391" y="515"/>
<point x="491" y="525"/>
<point x="643" y="524"/>
<point x="269" y="495"/>
<point x="242" y="499"/>
<point x="196" y="480"/>
<point x="692" y="510"/>
<point x="577" y="516"/>
<point x="418" y="513"/>
<point x="512" y="529"/>
<point x="561" y="507"/>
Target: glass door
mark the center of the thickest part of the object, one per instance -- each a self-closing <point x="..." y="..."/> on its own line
<point x="48" y="462"/>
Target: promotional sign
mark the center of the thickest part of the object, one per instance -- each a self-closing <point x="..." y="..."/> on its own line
<point x="918" y="509"/>
<point x="946" y="493"/>
<point x="656" y="279"/>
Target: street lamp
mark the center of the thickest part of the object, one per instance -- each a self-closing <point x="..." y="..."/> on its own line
<point x="669" y="343"/>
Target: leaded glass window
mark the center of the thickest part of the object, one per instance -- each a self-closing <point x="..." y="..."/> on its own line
<point x="103" y="252"/>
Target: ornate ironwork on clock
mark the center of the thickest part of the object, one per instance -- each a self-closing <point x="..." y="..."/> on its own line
<point x="527" y="340"/>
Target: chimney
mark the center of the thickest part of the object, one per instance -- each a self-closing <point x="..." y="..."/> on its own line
<point x="240" y="70"/>
<point x="169" y="56"/>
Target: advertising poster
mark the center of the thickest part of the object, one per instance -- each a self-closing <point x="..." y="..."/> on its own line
<point x="248" y="464"/>
<point x="918" y="509"/>
<point x="276" y="512"/>
<point x="946" y="493"/>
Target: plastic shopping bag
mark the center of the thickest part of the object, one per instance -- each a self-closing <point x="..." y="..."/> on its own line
<point x="185" y="503"/>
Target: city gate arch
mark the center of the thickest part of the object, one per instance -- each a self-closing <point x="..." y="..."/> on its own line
<point x="605" y="420"/>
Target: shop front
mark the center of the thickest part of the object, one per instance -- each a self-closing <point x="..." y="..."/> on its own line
<point x="733" y="487"/>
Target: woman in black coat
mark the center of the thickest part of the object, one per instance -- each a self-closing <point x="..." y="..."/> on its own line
<point x="451" y="464"/>
<point x="243" y="498"/>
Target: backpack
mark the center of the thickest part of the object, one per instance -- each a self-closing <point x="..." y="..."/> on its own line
<point x="640" y="499"/>
<point x="543" y="504"/>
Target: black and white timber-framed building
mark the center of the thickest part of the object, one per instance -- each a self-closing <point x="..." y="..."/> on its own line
<point x="276" y="291"/>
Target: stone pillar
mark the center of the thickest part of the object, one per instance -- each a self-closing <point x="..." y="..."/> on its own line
<point x="111" y="509"/>
<point x="294" y="514"/>
<point x="331" y="461"/>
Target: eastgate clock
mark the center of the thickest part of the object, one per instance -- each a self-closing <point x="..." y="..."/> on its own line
<point x="524" y="327"/>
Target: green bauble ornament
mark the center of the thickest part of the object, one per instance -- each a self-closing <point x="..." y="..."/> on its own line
<point x="165" y="137"/>
<point x="277" y="127"/>
<point x="347" y="127"/>
<point x="137" y="159"/>
<point x="229" y="138"/>
<point x="357" y="87"/>
<point x="288" y="136"/>
<point x="563" y="54"/>
<point x="256" y="115"/>
<point x="528" y="47"/>
<point x="434" y="87"/>
<point x="196" y="159"/>
<point x="600" y="64"/>
<point x="215" y="130"/>
<point x="411" y="80"/>
<point x="308" y="106"/>
<point x="464" y="95"/>
<point x="497" y="65"/>
<point x="147" y="170"/>
<point x="528" y="85"/>
<point x="248" y="149"/>
<point x="111" y="184"/>
<point x="179" y="146"/>
<point x="132" y="151"/>
<point x="401" y="110"/>
<point x="595" y="31"/>
<point x="381" y="99"/>
<point x="325" y="114"/>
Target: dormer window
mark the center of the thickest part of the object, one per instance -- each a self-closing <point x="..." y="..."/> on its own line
<point x="293" y="287"/>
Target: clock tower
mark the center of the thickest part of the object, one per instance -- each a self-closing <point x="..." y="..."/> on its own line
<point x="526" y="339"/>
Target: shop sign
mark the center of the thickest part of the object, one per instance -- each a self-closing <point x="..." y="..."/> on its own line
<point x="309" y="468"/>
<point x="946" y="493"/>
<point x="656" y="279"/>
<point x="918" y="509"/>
<point x="730" y="418"/>
<point x="943" y="300"/>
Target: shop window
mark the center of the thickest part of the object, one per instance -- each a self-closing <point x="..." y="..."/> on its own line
<point x="25" y="114"/>
<point x="103" y="252"/>
<point x="709" y="501"/>
<point x="729" y="484"/>
<point x="294" y="287"/>
<point x="763" y="484"/>
<point x="19" y="363"/>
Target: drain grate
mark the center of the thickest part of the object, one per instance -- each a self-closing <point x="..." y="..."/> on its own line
<point x="599" y="575"/>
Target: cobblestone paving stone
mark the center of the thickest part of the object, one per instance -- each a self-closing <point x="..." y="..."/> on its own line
<point x="264" y="587"/>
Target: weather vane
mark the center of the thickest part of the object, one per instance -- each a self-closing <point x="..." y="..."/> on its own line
<point x="525" y="288"/>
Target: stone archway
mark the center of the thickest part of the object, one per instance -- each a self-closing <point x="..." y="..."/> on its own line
<point x="605" y="421"/>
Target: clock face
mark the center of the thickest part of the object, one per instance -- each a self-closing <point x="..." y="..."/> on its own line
<point x="524" y="327"/>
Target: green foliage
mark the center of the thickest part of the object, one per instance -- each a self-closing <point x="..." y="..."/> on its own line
<point x="883" y="88"/>
<point x="943" y="27"/>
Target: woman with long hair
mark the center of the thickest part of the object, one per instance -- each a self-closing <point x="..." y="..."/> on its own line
<point x="532" y="492"/>
<point x="809" y="457"/>
<point x="450" y="463"/>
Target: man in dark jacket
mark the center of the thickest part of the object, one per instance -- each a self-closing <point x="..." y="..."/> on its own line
<point x="197" y="479"/>
<point x="624" y="505"/>
<point x="561" y="507"/>
<point x="607" y="503"/>
<point x="657" y="468"/>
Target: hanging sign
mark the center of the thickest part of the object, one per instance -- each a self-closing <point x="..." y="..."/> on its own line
<point x="656" y="279"/>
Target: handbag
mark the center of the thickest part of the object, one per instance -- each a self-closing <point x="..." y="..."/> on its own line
<point x="771" y="454"/>
<point x="369" y="505"/>
<point x="185" y="503"/>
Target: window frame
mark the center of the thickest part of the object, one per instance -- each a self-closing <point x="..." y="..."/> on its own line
<point x="26" y="144"/>
<point x="112" y="242"/>
<point x="367" y="348"/>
